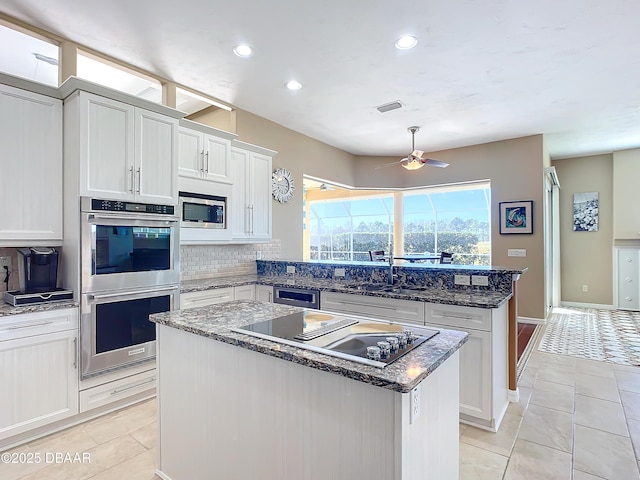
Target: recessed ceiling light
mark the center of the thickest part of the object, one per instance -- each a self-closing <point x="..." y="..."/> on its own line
<point x="406" y="42"/>
<point x="243" y="51"/>
<point x="293" y="85"/>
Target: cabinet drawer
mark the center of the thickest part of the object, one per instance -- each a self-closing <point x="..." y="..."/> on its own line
<point x="120" y="389"/>
<point x="38" y="323"/>
<point x="374" y="307"/>
<point x="206" y="297"/>
<point x="461" y="317"/>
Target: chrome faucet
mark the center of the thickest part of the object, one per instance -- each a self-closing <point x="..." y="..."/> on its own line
<point x="391" y="274"/>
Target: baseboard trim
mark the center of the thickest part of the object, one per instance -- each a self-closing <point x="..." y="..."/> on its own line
<point x="598" y="306"/>
<point x="536" y="321"/>
<point x="513" y="395"/>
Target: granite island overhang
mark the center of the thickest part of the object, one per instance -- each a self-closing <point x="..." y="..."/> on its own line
<point x="300" y="414"/>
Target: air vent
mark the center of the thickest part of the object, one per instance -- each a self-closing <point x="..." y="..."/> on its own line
<point x="387" y="107"/>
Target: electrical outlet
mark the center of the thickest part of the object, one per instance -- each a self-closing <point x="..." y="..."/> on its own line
<point x="258" y="255"/>
<point x="516" y="252"/>
<point x="585" y="288"/>
<point x="291" y="269"/>
<point x="339" y="272"/>
<point x="480" y="280"/>
<point x="5" y="262"/>
<point x="462" y="279"/>
<point x="414" y="404"/>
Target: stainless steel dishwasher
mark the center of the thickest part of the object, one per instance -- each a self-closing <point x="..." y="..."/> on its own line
<point x="298" y="297"/>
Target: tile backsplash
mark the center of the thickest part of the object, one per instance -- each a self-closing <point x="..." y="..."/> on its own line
<point x="203" y="261"/>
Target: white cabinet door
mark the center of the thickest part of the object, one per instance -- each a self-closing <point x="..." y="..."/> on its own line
<point x="190" y="153"/>
<point x="156" y="152"/>
<point x="250" y="196"/>
<point x="244" y="292"/>
<point x="30" y="168"/>
<point x="39" y="379"/>
<point x="475" y="373"/>
<point x="216" y="159"/>
<point x="260" y="191"/>
<point x="628" y="278"/>
<point x="239" y="201"/>
<point x="106" y="148"/>
<point x="264" y="293"/>
<point x="125" y="152"/>
<point x="204" y="156"/>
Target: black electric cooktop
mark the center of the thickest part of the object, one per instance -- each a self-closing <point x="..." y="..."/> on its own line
<point x="339" y="335"/>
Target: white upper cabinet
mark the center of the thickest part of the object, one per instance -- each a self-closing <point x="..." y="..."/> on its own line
<point x="626" y="195"/>
<point x="204" y="152"/>
<point x="251" y="193"/>
<point x="124" y="152"/>
<point x="30" y="168"/>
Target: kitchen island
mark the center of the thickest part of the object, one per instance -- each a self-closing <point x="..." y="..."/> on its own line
<point x="235" y="406"/>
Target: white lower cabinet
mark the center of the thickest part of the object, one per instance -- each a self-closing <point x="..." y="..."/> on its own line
<point x="483" y="360"/>
<point x="38" y="369"/>
<point x="264" y="293"/>
<point x="627" y="279"/>
<point x="217" y="295"/>
<point x="375" y="307"/>
<point x="244" y="292"/>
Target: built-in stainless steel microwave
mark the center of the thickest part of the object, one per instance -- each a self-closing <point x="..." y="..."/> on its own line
<point x="202" y="211"/>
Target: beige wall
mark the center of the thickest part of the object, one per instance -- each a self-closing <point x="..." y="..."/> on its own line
<point x="586" y="257"/>
<point x="515" y="169"/>
<point x="300" y="155"/>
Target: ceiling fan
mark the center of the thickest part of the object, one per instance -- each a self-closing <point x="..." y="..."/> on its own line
<point x="415" y="161"/>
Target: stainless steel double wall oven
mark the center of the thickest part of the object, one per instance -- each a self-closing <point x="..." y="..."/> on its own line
<point x="130" y="269"/>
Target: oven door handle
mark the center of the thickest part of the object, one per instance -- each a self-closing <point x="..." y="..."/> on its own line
<point x="99" y="296"/>
<point x="129" y="218"/>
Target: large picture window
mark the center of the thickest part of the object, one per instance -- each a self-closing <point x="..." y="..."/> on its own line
<point x="343" y="224"/>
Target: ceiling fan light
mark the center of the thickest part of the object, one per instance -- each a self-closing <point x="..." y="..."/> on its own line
<point x="412" y="164"/>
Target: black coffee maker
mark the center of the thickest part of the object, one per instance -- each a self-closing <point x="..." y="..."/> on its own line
<point x="38" y="269"/>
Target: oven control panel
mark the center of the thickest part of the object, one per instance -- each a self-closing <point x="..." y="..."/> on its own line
<point x="120" y="206"/>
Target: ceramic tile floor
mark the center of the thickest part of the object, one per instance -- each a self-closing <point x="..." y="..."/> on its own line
<point x="577" y="419"/>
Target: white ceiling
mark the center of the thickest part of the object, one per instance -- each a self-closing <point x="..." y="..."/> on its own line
<point x="483" y="70"/>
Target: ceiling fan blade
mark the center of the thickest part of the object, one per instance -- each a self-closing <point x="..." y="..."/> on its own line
<point x="434" y="163"/>
<point x="389" y="164"/>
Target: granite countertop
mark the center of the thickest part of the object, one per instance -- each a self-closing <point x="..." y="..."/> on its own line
<point x="215" y="321"/>
<point x="478" y="299"/>
<point x="7" y="309"/>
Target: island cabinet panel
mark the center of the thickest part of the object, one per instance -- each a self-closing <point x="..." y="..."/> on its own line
<point x="375" y="307"/>
<point x="230" y="412"/>
<point x="483" y="360"/>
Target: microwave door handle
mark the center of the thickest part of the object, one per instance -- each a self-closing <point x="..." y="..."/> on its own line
<point x="100" y="296"/>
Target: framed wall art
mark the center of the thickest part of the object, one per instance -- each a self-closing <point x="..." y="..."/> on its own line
<point x="516" y="217"/>
<point x="585" y="212"/>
